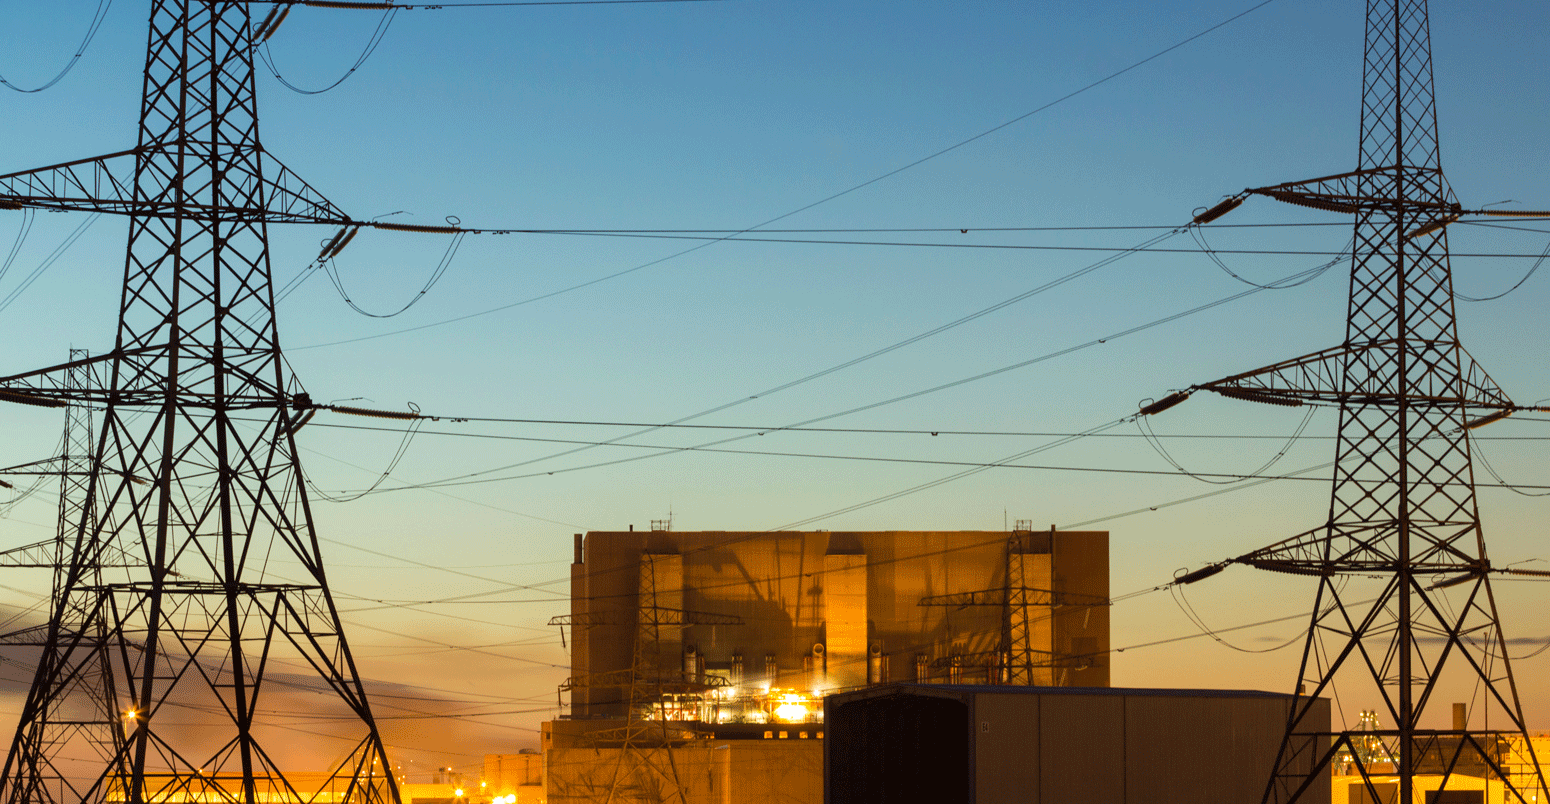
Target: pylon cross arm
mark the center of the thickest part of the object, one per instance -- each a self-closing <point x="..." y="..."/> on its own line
<point x="662" y="615"/>
<point x="584" y="620"/>
<point x="1317" y="379"/>
<point x="1330" y="550"/>
<point x="40" y="387"/>
<point x="1369" y="190"/>
<point x="106" y="184"/>
<point x="44" y="555"/>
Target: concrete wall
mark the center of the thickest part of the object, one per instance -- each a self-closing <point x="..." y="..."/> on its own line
<point x="703" y="771"/>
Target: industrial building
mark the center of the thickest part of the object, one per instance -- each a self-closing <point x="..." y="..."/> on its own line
<point x="813" y="612"/>
<point x="908" y="743"/>
<point x="700" y="659"/>
<point x="512" y="778"/>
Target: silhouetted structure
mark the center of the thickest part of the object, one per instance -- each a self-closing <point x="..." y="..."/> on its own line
<point x="947" y="744"/>
<point x="699" y="659"/>
<point x="200" y="503"/>
<point x="1403" y="506"/>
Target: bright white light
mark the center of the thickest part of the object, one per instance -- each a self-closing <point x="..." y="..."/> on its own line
<point x="791" y="712"/>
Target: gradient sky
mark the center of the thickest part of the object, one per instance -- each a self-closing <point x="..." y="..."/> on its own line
<point x="721" y="116"/>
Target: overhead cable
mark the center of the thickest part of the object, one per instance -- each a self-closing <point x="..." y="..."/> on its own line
<point x="331" y="268"/>
<point x="48" y="262"/>
<point x="267" y="56"/>
<point x="91" y="33"/>
<point x="837" y="367"/>
<point x="1143" y="423"/>
<point x="821" y="201"/>
<point x="941" y="387"/>
<point x="28" y="216"/>
<point x="1535" y="267"/>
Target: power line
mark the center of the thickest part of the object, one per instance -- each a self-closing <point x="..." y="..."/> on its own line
<point x="1003" y="464"/>
<point x="917" y="230"/>
<point x="91" y="33"/>
<point x="1292" y="280"/>
<point x="767" y="430"/>
<point x="1051" y="284"/>
<point x="372" y="44"/>
<point x="50" y="260"/>
<point x="738" y="238"/>
<point x="819" y="202"/>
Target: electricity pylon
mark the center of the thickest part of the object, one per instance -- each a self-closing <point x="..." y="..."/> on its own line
<point x="1026" y="602"/>
<point x="90" y="716"/>
<point x="208" y="506"/>
<point x="662" y="704"/>
<point x="1402" y="510"/>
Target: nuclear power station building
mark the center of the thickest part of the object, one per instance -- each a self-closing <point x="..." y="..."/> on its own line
<point x="816" y="612"/>
<point x="700" y="659"/>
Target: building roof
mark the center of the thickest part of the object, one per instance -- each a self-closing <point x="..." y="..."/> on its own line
<point x="964" y="690"/>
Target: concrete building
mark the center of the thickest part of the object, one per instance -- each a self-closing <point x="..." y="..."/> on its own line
<point x="700" y="660"/>
<point x="814" y="612"/>
<point x="933" y="744"/>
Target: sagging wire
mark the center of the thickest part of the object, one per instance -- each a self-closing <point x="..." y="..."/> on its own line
<point x="265" y="55"/>
<point x="1177" y="592"/>
<point x="1144" y="425"/>
<point x="403" y="448"/>
<point x="52" y="258"/>
<point x="19" y="495"/>
<point x="799" y="381"/>
<point x="1486" y="462"/>
<point x="333" y="247"/>
<point x="1537" y="263"/>
<point x="28" y="215"/>
<point x="1503" y="655"/>
<point x="80" y="50"/>
<point x="330" y="249"/>
<point x="833" y="196"/>
<point x="1198" y="233"/>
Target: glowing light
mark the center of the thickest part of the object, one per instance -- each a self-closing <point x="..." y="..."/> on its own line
<point x="458" y="792"/>
<point x="131" y="714"/>
<point x="791" y="713"/>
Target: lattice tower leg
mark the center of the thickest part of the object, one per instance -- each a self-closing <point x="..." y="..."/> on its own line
<point x="1402" y="509"/>
<point x="206" y="504"/>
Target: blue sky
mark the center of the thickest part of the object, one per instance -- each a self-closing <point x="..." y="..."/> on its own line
<point x="723" y="116"/>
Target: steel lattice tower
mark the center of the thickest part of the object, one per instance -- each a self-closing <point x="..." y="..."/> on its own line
<point x="1403" y="523"/>
<point x="645" y="769"/>
<point x="202" y="504"/>
<point x="1016" y="661"/>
